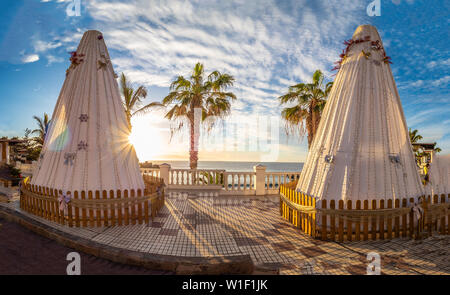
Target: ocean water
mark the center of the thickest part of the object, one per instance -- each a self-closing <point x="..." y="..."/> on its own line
<point x="236" y="166"/>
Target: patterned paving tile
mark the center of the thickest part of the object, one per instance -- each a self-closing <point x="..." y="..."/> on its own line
<point x="312" y="251"/>
<point x="199" y="226"/>
<point x="156" y="224"/>
<point x="357" y="269"/>
<point x="168" y="232"/>
<point x="280" y="225"/>
<point x="283" y="246"/>
<point x="251" y="241"/>
<point x="270" y="232"/>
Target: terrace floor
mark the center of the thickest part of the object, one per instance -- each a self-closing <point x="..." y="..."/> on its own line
<point x="205" y="226"/>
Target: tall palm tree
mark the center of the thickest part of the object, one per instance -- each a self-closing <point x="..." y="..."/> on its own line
<point x="206" y="94"/>
<point x="41" y="131"/>
<point x="309" y="99"/>
<point x="132" y="99"/>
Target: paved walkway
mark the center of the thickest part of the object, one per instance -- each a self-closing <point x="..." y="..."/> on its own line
<point x="23" y="252"/>
<point x="201" y="226"/>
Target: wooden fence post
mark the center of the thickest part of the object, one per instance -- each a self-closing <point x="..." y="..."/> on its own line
<point x="349" y="222"/>
<point x="302" y="215"/>
<point x="308" y="216"/>
<point x="332" y="222"/>
<point x="382" y="221"/>
<point x="105" y="208"/>
<point x="133" y="207"/>
<point x="113" y="207"/>
<point x="374" y="222"/>
<point x="119" y="207"/>
<point x="83" y="211"/>
<point x="389" y="221"/>
<point x="139" y="205"/>
<point x="146" y="213"/>
<point x="323" y="227"/>
<point x="442" y="222"/>
<point x="341" y="222"/>
<point x="366" y="222"/>
<point x="91" y="211"/>
<point x="404" y="219"/>
<point x="77" y="210"/>
<point x="98" y="211"/>
<point x="127" y="208"/>
<point x="429" y="217"/>
<point x="448" y="218"/>
<point x="358" y="223"/>
<point x="411" y="220"/>
<point x="69" y="209"/>
<point x="313" y="218"/>
<point x="397" y="220"/>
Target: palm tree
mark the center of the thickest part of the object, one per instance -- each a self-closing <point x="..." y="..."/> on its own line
<point x="203" y="93"/>
<point x="132" y="99"/>
<point x="414" y="137"/>
<point x="41" y="131"/>
<point x="309" y="99"/>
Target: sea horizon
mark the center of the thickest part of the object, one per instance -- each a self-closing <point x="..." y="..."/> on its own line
<point x="238" y="166"/>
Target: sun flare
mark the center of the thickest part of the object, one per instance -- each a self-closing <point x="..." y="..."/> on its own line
<point x="147" y="141"/>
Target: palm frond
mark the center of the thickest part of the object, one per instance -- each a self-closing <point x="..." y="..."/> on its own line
<point x="147" y="108"/>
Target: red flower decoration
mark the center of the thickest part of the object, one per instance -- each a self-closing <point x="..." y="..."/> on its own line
<point x="376" y="45"/>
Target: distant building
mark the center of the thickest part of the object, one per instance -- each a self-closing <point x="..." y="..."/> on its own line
<point x="147" y="164"/>
<point x="10" y="150"/>
<point x="428" y="152"/>
<point x="4" y="151"/>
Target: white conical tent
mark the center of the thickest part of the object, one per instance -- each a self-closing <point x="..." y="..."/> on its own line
<point x="362" y="149"/>
<point x="87" y="146"/>
<point x="440" y="175"/>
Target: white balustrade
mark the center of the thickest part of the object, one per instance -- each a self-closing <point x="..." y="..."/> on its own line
<point x="239" y="181"/>
<point x="196" y="177"/>
<point x="151" y="171"/>
<point x="275" y="179"/>
<point x="257" y="182"/>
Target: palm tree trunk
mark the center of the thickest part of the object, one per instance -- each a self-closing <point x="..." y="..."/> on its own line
<point x="194" y="137"/>
<point x="129" y="121"/>
<point x="315" y="120"/>
<point x="310" y="125"/>
<point x="310" y="132"/>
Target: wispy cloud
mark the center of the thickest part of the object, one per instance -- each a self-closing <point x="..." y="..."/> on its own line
<point x="42" y="46"/>
<point x="262" y="44"/>
<point x="29" y="58"/>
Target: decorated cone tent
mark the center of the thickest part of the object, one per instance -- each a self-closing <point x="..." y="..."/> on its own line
<point x="86" y="147"/>
<point x="362" y="149"/>
<point x="439" y="175"/>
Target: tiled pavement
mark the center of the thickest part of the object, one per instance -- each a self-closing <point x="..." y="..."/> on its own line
<point x="206" y="226"/>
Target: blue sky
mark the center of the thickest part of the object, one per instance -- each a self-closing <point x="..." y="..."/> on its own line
<point x="267" y="45"/>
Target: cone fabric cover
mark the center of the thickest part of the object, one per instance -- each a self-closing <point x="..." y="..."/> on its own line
<point x="87" y="146"/>
<point x="440" y="175"/>
<point x="361" y="150"/>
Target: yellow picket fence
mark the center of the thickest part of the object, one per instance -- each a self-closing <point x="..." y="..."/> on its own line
<point x="95" y="208"/>
<point x="364" y="220"/>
